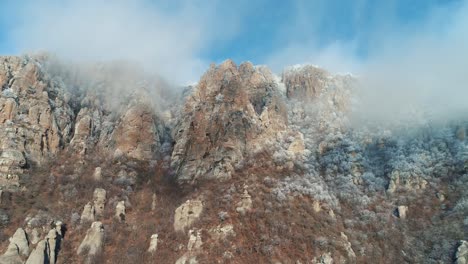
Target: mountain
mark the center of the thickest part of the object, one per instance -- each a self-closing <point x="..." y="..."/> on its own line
<point x="107" y="163"/>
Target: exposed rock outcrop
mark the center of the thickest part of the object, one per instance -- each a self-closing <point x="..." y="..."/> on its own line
<point x="402" y="210"/>
<point x="11" y="255"/>
<point x="47" y="107"/>
<point x="97" y="175"/>
<point x="220" y="233"/>
<point x="93" y="241"/>
<point x="53" y="244"/>
<point x="234" y="113"/>
<point x="120" y="211"/>
<point x="153" y="243"/>
<point x="304" y="82"/>
<point x="136" y="135"/>
<point x="99" y="198"/>
<point x="88" y="213"/>
<point x="18" y="248"/>
<point x="193" y="247"/>
<point x="245" y="203"/>
<point x="35" y="116"/>
<point x="20" y="239"/>
<point x="40" y="254"/>
<point x="186" y="214"/>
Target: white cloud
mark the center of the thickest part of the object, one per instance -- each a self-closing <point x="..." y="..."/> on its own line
<point x="166" y="39"/>
<point x="420" y="68"/>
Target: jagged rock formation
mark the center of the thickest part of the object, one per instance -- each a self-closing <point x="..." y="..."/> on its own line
<point x="233" y="114"/>
<point x="41" y="115"/>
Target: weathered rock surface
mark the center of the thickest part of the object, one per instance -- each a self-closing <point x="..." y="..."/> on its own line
<point x="402" y="210"/>
<point x="11" y="256"/>
<point x="18" y="247"/>
<point x="222" y="232"/>
<point x="193" y="248"/>
<point x="99" y="198"/>
<point x="186" y="214"/>
<point x="53" y="244"/>
<point x="234" y="113"/>
<point x="40" y="254"/>
<point x="97" y="175"/>
<point x="245" y="203"/>
<point x="120" y="211"/>
<point x="323" y="259"/>
<point x="88" y="213"/>
<point x="153" y="243"/>
<point x="20" y="239"/>
<point x="93" y="241"/>
<point x="137" y="135"/>
<point x="47" y="107"/>
<point x="305" y="82"/>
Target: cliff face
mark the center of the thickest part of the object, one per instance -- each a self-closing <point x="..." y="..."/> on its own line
<point x="233" y="113"/>
<point x="43" y="113"/>
<point x="107" y="164"/>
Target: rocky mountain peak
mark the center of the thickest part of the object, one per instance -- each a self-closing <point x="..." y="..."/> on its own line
<point x="105" y="163"/>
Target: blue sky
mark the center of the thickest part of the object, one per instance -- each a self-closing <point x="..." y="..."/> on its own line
<point x="188" y="35"/>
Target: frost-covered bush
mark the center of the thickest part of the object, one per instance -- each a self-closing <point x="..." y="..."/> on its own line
<point x="462" y="205"/>
<point x="310" y="185"/>
<point x="373" y="183"/>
